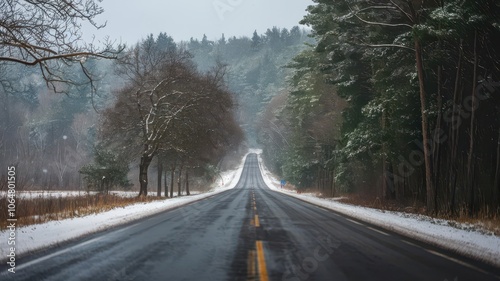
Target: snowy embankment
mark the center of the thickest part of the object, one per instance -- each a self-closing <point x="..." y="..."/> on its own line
<point x="36" y="237"/>
<point x="64" y="194"/>
<point x="460" y="238"/>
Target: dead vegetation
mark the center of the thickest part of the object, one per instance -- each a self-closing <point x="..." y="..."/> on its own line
<point x="482" y="222"/>
<point x="38" y="210"/>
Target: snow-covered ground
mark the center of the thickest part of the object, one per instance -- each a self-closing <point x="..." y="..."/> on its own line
<point x="36" y="237"/>
<point x="461" y="238"/>
<point x="64" y="194"/>
<point x="47" y="194"/>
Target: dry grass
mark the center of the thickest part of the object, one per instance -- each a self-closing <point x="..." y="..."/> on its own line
<point x="39" y="210"/>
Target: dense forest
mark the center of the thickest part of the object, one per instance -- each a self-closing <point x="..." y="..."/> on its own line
<point x="397" y="100"/>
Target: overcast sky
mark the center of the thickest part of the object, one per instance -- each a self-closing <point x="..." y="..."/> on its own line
<point x="131" y="20"/>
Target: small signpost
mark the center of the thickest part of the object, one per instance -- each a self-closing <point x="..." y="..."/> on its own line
<point x="283" y="183"/>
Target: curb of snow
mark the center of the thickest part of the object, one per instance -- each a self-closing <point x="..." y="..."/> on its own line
<point x="469" y="243"/>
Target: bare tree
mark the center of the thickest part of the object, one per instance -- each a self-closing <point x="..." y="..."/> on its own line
<point x="155" y="101"/>
<point x="47" y="34"/>
<point x="169" y="107"/>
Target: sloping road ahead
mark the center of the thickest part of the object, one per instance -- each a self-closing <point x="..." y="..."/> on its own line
<point x="248" y="233"/>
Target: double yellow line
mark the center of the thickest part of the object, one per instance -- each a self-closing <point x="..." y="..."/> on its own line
<point x="261" y="260"/>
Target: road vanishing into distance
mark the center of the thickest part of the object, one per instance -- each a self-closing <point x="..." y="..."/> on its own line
<point x="248" y="233"/>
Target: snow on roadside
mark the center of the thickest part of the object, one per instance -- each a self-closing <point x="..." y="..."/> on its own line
<point x="476" y="244"/>
<point x="36" y="237"/>
<point x="37" y="194"/>
<point x="34" y="194"/>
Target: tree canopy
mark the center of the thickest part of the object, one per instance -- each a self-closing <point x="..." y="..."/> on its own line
<point x="167" y="105"/>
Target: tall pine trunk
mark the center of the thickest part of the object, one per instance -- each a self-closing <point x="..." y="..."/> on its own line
<point x="385" y="194"/>
<point x="496" y="183"/>
<point x="430" y="194"/>
<point x="470" y="164"/>
<point x="454" y="133"/>
<point x="436" y="148"/>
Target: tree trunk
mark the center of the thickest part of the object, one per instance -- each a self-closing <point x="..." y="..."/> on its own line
<point x="435" y="140"/>
<point x="430" y="195"/>
<point x="143" y="174"/>
<point x="332" y="182"/>
<point x="160" y="173"/>
<point x="165" y="182"/>
<point x="384" y="159"/>
<point x="172" y="177"/>
<point x="470" y="168"/>
<point x="318" y="179"/>
<point x="333" y="171"/>
<point x="496" y="186"/>
<point x="454" y="135"/>
<point x="179" y="182"/>
<point x="187" y="182"/>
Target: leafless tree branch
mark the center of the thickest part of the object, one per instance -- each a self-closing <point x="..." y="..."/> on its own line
<point x="37" y="32"/>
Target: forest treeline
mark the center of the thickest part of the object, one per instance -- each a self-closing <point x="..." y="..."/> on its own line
<point x="397" y="100"/>
<point x="151" y="103"/>
<point x="162" y="113"/>
<point x="256" y="67"/>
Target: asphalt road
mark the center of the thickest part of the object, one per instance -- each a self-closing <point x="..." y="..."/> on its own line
<point x="248" y="233"/>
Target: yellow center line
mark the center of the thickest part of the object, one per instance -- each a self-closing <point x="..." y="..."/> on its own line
<point x="257" y="222"/>
<point x="261" y="261"/>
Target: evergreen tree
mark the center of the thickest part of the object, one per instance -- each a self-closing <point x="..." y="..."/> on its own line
<point x="256" y="40"/>
<point x="414" y="77"/>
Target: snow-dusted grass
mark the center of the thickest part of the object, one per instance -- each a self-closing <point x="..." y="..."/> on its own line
<point x="39" y="210"/>
<point x="38" y="194"/>
<point x="34" y="194"/>
<point x="36" y="237"/>
<point x="461" y="238"/>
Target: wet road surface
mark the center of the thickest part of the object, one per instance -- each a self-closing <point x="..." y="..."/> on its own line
<point x="248" y="233"/>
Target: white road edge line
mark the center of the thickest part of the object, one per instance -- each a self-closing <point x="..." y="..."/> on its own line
<point x="67" y="250"/>
<point x="410" y="243"/>
<point x="458" y="261"/>
<point x="355" y="222"/>
<point x="379" y="231"/>
<point x="57" y="254"/>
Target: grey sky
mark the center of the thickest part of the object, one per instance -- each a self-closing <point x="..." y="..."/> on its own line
<point x="131" y="20"/>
